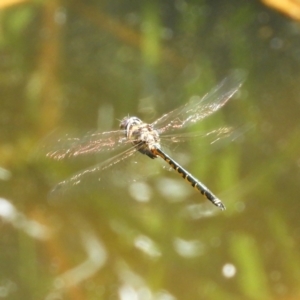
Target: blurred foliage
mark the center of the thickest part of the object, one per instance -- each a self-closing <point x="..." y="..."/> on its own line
<point x="72" y="66"/>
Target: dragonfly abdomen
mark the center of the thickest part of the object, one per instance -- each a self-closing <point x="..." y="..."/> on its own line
<point x="195" y="183"/>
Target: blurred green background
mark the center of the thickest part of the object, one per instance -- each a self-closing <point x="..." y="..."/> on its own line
<point x="76" y="66"/>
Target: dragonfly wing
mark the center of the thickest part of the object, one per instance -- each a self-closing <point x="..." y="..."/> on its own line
<point x="93" y="142"/>
<point x="199" y="108"/>
<point x="212" y="136"/>
<point x="94" y="173"/>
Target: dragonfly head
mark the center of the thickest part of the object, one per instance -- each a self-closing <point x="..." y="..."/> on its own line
<point x="128" y="122"/>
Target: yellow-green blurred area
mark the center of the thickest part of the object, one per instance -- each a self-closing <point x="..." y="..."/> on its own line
<point x="70" y="67"/>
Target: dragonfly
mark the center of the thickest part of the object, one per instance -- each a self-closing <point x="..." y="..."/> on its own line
<point x="144" y="138"/>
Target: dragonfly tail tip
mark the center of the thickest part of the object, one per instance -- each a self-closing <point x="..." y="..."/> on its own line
<point x="221" y="205"/>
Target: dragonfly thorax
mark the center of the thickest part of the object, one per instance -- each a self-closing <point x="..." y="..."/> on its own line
<point x="142" y="135"/>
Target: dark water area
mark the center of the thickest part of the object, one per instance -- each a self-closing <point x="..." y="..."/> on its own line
<point x="136" y="230"/>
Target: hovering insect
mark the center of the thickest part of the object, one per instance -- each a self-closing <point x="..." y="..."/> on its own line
<point x="145" y="138"/>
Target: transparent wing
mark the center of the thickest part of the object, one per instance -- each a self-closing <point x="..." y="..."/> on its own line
<point x="212" y="136"/>
<point x="200" y="108"/>
<point x="94" y="173"/>
<point x="93" y="142"/>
